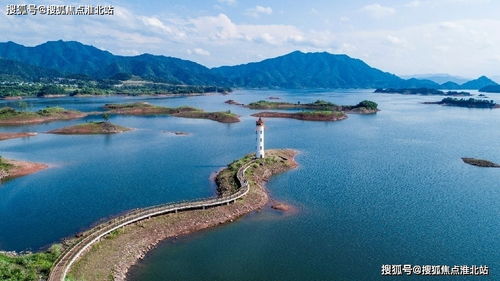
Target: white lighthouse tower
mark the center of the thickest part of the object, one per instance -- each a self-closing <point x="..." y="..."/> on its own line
<point x="260" y="138"/>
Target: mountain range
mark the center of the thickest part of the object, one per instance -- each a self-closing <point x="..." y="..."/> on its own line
<point x="293" y="70"/>
<point x="439" y="78"/>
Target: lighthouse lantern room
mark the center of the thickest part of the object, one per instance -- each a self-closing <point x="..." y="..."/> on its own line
<point x="260" y="138"/>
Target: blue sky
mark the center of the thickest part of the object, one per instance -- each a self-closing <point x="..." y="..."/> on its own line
<point x="458" y="37"/>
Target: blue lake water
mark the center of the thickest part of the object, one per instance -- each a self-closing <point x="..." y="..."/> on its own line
<point x="376" y="189"/>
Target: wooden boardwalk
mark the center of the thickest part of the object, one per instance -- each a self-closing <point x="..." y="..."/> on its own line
<point x="70" y="255"/>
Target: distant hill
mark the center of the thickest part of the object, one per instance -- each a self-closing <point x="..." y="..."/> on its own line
<point x="69" y="57"/>
<point x="417" y="83"/>
<point x="13" y="70"/>
<point x="450" y="86"/>
<point x="478" y="83"/>
<point x="308" y="70"/>
<point x="438" y="78"/>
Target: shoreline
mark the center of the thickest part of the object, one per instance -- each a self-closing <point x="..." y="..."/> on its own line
<point x="21" y="168"/>
<point x="118" y="251"/>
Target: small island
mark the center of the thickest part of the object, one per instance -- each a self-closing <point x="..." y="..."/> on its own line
<point x="420" y="91"/>
<point x="480" y="162"/>
<point x="102" y="127"/>
<point x="14" y="168"/>
<point x="144" y="108"/>
<point x="6" y="136"/>
<point x="306" y="115"/>
<point x="10" y="116"/>
<point x="233" y="102"/>
<point x="364" y="107"/>
<point x="470" y="103"/>
<point x="176" y="133"/>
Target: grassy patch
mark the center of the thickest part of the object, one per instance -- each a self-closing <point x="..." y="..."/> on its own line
<point x="226" y="179"/>
<point x="29" y="267"/>
<point x="4" y="166"/>
<point x="10" y="113"/>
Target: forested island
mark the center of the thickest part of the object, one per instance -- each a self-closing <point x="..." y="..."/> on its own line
<point x="421" y="91"/>
<point x="471" y="103"/>
<point x="319" y="110"/>
<point x="144" y="108"/>
<point x="364" y="107"/>
<point x="11" y="116"/>
<point x="306" y="115"/>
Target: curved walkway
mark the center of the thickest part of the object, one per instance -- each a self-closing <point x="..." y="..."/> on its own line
<point x="70" y="255"/>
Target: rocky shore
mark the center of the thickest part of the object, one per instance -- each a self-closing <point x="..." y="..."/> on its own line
<point x="113" y="256"/>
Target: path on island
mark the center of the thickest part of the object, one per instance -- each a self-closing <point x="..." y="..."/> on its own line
<point x="69" y="256"/>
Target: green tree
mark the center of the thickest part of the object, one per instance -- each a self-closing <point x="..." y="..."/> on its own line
<point x="50" y="90"/>
<point x="368" y="104"/>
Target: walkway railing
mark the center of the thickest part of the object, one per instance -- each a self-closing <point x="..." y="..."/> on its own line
<point x="69" y="256"/>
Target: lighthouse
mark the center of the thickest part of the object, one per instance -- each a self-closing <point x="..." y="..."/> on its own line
<point x="260" y="138"/>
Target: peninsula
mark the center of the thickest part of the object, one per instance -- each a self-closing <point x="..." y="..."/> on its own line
<point x="111" y="248"/>
<point x="144" y="108"/>
<point x="14" y="168"/>
<point x="10" y="116"/>
<point x="102" y="127"/>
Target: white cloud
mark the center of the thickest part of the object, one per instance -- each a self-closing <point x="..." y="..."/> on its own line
<point x="258" y="11"/>
<point x="199" y="51"/>
<point x="222" y="30"/>
<point x="414" y="4"/>
<point x="444" y="47"/>
<point x="378" y="11"/>
<point x="344" y="19"/>
<point x="394" y="40"/>
<point x="228" y="2"/>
